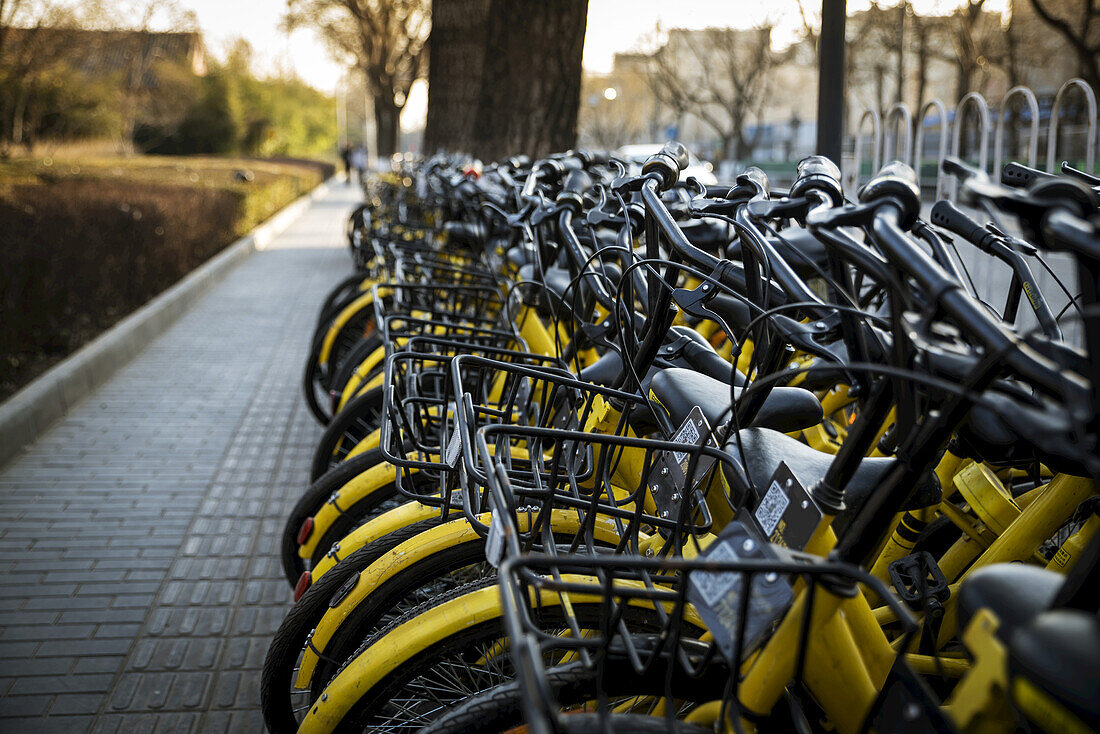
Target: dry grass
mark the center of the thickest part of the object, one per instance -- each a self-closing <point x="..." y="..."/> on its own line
<point x="85" y="241"/>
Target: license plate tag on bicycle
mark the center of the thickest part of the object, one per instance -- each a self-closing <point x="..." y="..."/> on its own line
<point x="787" y="513"/>
<point x="717" y="595"/>
<point x="670" y="468"/>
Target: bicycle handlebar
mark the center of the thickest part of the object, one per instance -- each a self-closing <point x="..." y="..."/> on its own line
<point x="897" y="181"/>
<point x="950" y="217"/>
<point x="818" y="173"/>
<point x="667" y="163"/>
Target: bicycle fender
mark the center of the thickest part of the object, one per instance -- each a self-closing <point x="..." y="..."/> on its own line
<point x="370" y="481"/>
<point x="364" y="301"/>
<point x="372" y="441"/>
<point x="413" y="551"/>
<point x="362" y="372"/>
<point x="369" y="668"/>
<point x="378" y="527"/>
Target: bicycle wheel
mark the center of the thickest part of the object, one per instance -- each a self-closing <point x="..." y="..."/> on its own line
<point x="361" y="417"/>
<point x="433" y="657"/>
<point x="370" y="503"/>
<point x="575" y="686"/>
<point x="416" y="581"/>
<point x="311" y="500"/>
<point x="351" y="363"/>
<point x="276" y="692"/>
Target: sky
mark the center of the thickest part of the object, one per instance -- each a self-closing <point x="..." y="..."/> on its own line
<point x="613" y="26"/>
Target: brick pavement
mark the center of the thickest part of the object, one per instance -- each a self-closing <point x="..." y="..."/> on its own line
<point x="139" y="578"/>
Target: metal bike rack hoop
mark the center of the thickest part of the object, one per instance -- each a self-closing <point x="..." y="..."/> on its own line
<point x="1090" y="136"/>
<point x="983" y="140"/>
<point x="1033" y="134"/>
<point x="918" y="143"/>
<point x="902" y="150"/>
<point x="876" y="146"/>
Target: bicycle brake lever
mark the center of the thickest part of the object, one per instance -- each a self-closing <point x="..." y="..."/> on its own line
<point x="1088" y="178"/>
<point x="693" y="303"/>
<point x="856" y="215"/>
<point x="1022" y="246"/>
<point x="542" y="214"/>
<point x="772" y="208"/>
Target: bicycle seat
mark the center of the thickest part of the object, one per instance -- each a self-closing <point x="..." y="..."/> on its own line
<point x="1059" y="652"/>
<point x="764" y="449"/>
<point x="679" y="390"/>
<point x="557" y="281"/>
<point x="1018" y="434"/>
<point x="798" y="247"/>
<point x="464" y="233"/>
<point x="1014" y="592"/>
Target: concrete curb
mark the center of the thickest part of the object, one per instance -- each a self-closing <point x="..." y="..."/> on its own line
<point x="28" y="414"/>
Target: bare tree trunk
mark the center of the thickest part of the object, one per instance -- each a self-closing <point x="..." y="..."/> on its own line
<point x="387" y="118"/>
<point x="18" y="117"/>
<point x="456" y="58"/>
<point x="527" y="91"/>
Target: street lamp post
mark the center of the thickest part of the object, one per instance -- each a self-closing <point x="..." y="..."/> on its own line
<point x="830" y="80"/>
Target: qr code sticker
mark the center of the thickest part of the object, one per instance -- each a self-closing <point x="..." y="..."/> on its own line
<point x="714" y="585"/>
<point x="771" y="508"/>
<point x="688" y="434"/>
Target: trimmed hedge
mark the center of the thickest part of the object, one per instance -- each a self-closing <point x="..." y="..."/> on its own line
<point x="79" y="253"/>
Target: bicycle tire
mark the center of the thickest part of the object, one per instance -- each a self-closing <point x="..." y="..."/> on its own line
<point x="288" y="641"/>
<point x="573" y="684"/>
<point x="431" y="653"/>
<point x="313" y="498"/>
<point x="359" y="418"/>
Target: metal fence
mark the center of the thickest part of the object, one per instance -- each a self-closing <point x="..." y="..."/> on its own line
<point x="897" y="135"/>
<point x="980" y="133"/>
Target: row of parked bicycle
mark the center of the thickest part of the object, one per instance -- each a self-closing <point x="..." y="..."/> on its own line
<point x="608" y="450"/>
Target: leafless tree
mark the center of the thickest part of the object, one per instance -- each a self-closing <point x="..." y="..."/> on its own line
<point x="139" y="95"/>
<point x="29" y="51"/>
<point x="720" y="76"/>
<point x="385" y="39"/>
<point x="1078" y="21"/>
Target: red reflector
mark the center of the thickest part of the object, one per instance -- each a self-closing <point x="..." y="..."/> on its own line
<point x="303" y="585"/>
<point x="305" y="531"/>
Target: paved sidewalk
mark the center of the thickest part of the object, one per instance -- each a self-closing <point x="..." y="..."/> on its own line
<point x="139" y="579"/>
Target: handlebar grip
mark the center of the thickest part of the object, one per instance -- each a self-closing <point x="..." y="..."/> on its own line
<point x="754" y="177"/>
<point x="898" y="181"/>
<point x="576" y="184"/>
<point x="667" y="163"/>
<point x="816" y="172"/>
<point x="960" y="170"/>
<point x="677" y="152"/>
<point x="947" y="215"/>
<point x="594" y="157"/>
<point x="1021" y="176"/>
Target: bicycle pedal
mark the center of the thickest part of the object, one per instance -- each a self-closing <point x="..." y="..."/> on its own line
<point x="919" y="582"/>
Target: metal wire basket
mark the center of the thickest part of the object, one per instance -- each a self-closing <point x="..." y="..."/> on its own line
<point x="662" y="636"/>
<point x="419" y="397"/>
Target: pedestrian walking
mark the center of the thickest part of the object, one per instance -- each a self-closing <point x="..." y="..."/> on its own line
<point x="345" y="156"/>
<point x="359" y="162"/>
